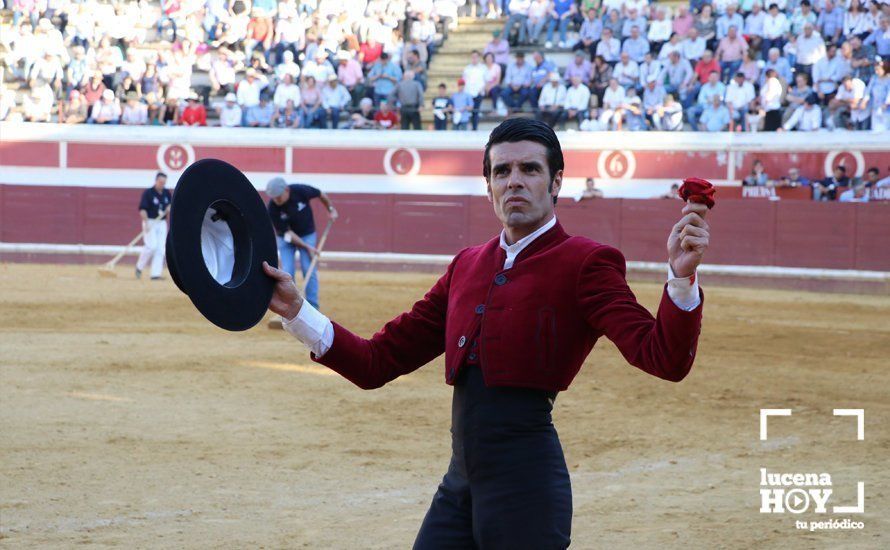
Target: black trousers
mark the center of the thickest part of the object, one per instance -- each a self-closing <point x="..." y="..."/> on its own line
<point x="507" y="484"/>
<point x="410" y="117"/>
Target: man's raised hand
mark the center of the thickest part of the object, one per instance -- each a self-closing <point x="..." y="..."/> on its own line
<point x="688" y="240"/>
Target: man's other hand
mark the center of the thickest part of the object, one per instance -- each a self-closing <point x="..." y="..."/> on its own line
<point x="286" y="299"/>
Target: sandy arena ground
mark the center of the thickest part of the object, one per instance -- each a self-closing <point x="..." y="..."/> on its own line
<point x="128" y="420"/>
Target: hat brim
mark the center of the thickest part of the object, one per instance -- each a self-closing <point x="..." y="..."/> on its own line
<point x="241" y="302"/>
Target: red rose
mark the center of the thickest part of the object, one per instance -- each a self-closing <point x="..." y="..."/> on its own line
<point x="698" y="190"/>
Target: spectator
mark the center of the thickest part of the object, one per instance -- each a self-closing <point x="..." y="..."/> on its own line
<point x="848" y="109"/>
<point x="335" y="98"/>
<point x="75" y="110"/>
<point x="602" y="74"/>
<point x="872" y="177"/>
<point x="613" y="99"/>
<point x="632" y="112"/>
<point x="135" y="113"/>
<point x="754" y="117"/>
<point x="880" y="37"/>
<point x="751" y="67"/>
<point x="810" y="49"/>
<point x="518" y="15"/>
<point x="249" y="90"/>
<point x="408" y="94"/>
<point x="826" y="190"/>
<point x="653" y="98"/>
<point x="739" y="93"/>
<point x="753" y="29"/>
<point x="492" y="79"/>
<point x="442" y="108"/>
<point x="92" y="91"/>
<point x="417" y="68"/>
<point x="365" y="118"/>
<point x="683" y="22"/>
<point x="730" y="19"/>
<point x="627" y="72"/>
<point x="793" y="179"/>
<point x="261" y="114"/>
<point x="706" y="25"/>
<point x="636" y="46"/>
<point x="516" y="84"/>
<point x="609" y="47"/>
<point x="462" y="106"/>
<point x="830" y="22"/>
<point x="705" y="66"/>
<point x="633" y="19"/>
<point x="589" y="192"/>
<point x="386" y="118"/>
<point x="693" y="47"/>
<point x="859" y="193"/>
<point x="551" y="101"/>
<point x="679" y="78"/>
<point x="125" y="87"/>
<point x="543" y="67"/>
<point x="878" y="96"/>
<point x="827" y="74"/>
<point x="222" y="73"/>
<point x="779" y="64"/>
<point x="318" y="68"/>
<point x="349" y="72"/>
<point x="475" y="75"/>
<point x="713" y="88"/>
<point x="771" y="101"/>
<point x="579" y="67"/>
<point x="499" y="48"/>
<point x="383" y="76"/>
<point x="775" y="25"/>
<point x="660" y="31"/>
<point x="311" y="112"/>
<point x="674" y="44"/>
<point x="576" y="102"/>
<point x="715" y="116"/>
<point x="48" y="68"/>
<point x="194" y="113"/>
<point x="590" y="34"/>
<point x="669" y="117"/>
<point x="107" y="110"/>
<point x="731" y="51"/>
<point x="287" y="117"/>
<point x="648" y="68"/>
<point x="758" y="176"/>
<point x="674" y="193"/>
<point x="561" y="14"/>
<point x="536" y="19"/>
<point x="286" y="91"/>
<point x="230" y="114"/>
<point x="797" y="95"/>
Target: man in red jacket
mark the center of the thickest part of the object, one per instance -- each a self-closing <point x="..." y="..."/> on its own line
<point x="516" y="317"/>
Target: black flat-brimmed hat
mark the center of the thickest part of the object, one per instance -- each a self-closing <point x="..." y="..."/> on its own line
<point x="220" y="235"/>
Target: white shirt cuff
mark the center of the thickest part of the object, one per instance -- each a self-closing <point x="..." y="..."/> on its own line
<point x="311" y="327"/>
<point x="683" y="290"/>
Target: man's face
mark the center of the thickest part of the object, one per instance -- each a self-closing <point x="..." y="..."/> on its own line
<point x="808" y="30"/>
<point x="160" y="182"/>
<point x="475" y="58"/>
<point x="731" y="33"/>
<point x="872" y="176"/>
<point x="838" y="173"/>
<point x="635" y="32"/>
<point x="282" y="198"/>
<point x="518" y="184"/>
<point x="713" y="78"/>
<point x="793" y="174"/>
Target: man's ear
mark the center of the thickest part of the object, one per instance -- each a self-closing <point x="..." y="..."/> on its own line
<point x="556" y="184"/>
<point x="488" y="190"/>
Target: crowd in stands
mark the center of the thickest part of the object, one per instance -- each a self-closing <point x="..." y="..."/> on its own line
<point x="839" y="186"/>
<point x="737" y="65"/>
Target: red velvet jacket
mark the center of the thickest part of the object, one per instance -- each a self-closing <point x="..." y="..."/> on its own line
<point x="534" y="323"/>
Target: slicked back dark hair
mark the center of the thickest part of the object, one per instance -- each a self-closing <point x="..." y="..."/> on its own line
<point x="514" y="130"/>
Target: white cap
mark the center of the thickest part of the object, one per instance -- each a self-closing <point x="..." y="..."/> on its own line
<point x="107" y="94"/>
<point x="231" y="97"/>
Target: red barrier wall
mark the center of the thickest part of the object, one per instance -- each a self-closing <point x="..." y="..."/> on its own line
<point x="744" y="232"/>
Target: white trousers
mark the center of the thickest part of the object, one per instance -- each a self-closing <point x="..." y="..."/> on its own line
<point x="154" y="248"/>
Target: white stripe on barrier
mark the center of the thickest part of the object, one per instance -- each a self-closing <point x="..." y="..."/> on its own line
<point x="444" y="259"/>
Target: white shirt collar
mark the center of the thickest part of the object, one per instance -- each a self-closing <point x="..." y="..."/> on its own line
<point x="514" y="249"/>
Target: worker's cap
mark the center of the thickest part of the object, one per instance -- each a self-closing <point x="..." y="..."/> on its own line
<point x="276" y="187"/>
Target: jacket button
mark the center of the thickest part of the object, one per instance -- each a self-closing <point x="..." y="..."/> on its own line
<point x="472" y="357"/>
<point x="500" y="279"/>
<point x="462" y="341"/>
<point x="479" y="309"/>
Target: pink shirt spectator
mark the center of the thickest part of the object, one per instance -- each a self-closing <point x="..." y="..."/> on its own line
<point x="350" y="73"/>
<point x="681" y="25"/>
<point x="732" y="50"/>
<point x="500" y="50"/>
